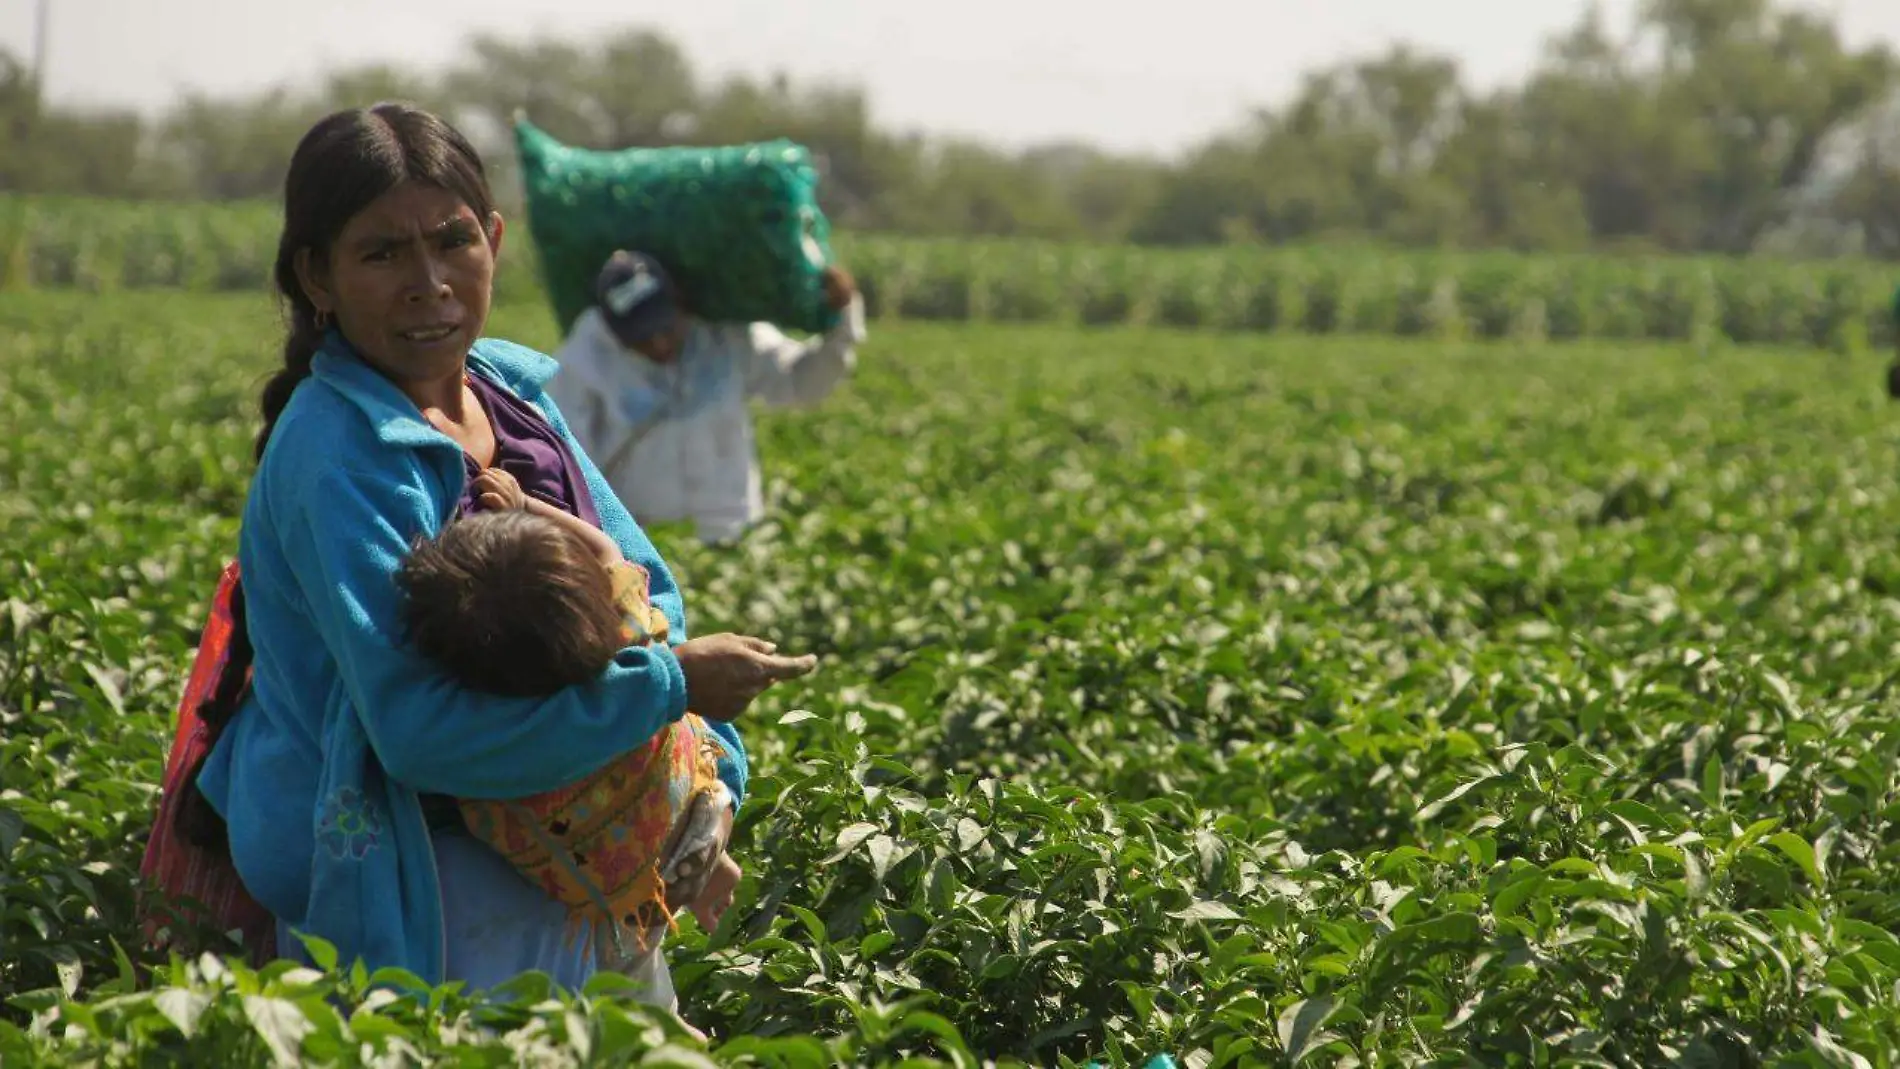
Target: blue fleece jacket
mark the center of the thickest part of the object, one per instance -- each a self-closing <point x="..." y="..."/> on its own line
<point x="318" y="775"/>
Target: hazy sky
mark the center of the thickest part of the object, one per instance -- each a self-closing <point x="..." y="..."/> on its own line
<point x="1153" y="76"/>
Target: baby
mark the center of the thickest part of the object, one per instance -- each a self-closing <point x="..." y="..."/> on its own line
<point x="523" y="599"/>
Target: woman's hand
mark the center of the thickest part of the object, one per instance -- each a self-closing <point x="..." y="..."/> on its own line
<point x="839" y="287"/>
<point x="725" y="672"/>
<point x="497" y="491"/>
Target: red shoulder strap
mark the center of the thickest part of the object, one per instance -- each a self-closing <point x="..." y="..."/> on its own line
<point x="183" y="877"/>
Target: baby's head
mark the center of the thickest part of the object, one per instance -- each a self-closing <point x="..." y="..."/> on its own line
<point x="512" y="604"/>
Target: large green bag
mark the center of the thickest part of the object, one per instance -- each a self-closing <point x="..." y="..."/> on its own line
<point x="738" y="226"/>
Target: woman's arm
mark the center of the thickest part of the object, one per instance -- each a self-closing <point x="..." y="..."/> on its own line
<point x="345" y="539"/>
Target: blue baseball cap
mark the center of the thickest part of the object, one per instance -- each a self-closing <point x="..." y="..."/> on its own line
<point x="636" y="297"/>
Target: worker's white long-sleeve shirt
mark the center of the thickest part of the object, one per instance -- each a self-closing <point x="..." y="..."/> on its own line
<point x="675" y="440"/>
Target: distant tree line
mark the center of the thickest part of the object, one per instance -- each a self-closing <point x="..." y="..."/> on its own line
<point x="1714" y="126"/>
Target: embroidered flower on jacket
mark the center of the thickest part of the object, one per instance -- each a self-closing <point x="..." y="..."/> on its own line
<point x="351" y="827"/>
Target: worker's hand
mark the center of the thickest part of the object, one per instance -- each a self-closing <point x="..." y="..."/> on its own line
<point x="839" y="287"/>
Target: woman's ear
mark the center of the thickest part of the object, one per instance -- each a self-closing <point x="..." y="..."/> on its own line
<point x="315" y="282"/>
<point x="495" y="228"/>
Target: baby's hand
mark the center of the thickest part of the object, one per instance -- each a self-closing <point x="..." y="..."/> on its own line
<point x="497" y="491"/>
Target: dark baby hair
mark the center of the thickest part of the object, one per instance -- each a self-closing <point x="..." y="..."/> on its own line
<point x="510" y="603"/>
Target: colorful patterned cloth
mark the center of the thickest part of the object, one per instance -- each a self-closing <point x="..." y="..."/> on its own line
<point x="597" y="846"/>
<point x="185" y="886"/>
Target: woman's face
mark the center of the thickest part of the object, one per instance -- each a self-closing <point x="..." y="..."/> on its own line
<point x="408" y="281"/>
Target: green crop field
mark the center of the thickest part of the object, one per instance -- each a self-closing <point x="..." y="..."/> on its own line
<point x="1845" y="306"/>
<point x="1256" y="698"/>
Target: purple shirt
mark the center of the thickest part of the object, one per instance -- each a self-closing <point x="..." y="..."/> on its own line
<point x="527" y="448"/>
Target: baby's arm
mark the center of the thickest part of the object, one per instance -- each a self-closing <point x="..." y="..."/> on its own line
<point x="496" y="490"/>
<point x="595" y="538"/>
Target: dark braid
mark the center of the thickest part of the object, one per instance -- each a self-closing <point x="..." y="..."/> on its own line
<point x="344" y="163"/>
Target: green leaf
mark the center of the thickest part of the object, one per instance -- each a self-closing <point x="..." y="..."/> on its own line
<point x="1779" y="685"/>
<point x="1512" y="898"/>
<point x="882" y="848"/>
<point x="969" y="834"/>
<point x="1206" y="911"/>
<point x="280" y="1023"/>
<point x="399" y="979"/>
<point x="183" y="1007"/>
<point x="128" y="978"/>
<point x="1300" y="1026"/>
<point x="1636" y="813"/>
<point x="20" y="616"/>
<point x="797" y="716"/>
<point x="1801" y="854"/>
<point x="849" y="840"/>
<point x="931" y="1024"/>
<point x="367" y="1026"/>
<point x="1073" y="1027"/>
<point x="1395" y="861"/>
<point x="1694" y="878"/>
<point x="814" y="926"/>
<point x="322" y="952"/>
<point x="1832" y="1053"/>
<point x="791" y="1052"/>
<point x="70" y="969"/>
<point x="1430" y="812"/>
<point x="12" y="827"/>
<point x="107" y="688"/>
<point x="674" y="1056"/>
<point x="1448" y="928"/>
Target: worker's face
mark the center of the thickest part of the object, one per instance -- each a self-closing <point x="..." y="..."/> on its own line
<point x="664" y="347"/>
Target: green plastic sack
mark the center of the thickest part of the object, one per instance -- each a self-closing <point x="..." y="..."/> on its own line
<point x="737" y="226"/>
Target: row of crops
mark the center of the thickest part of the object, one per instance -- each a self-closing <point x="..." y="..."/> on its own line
<point x="1843" y="305"/>
<point x="1264" y="700"/>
